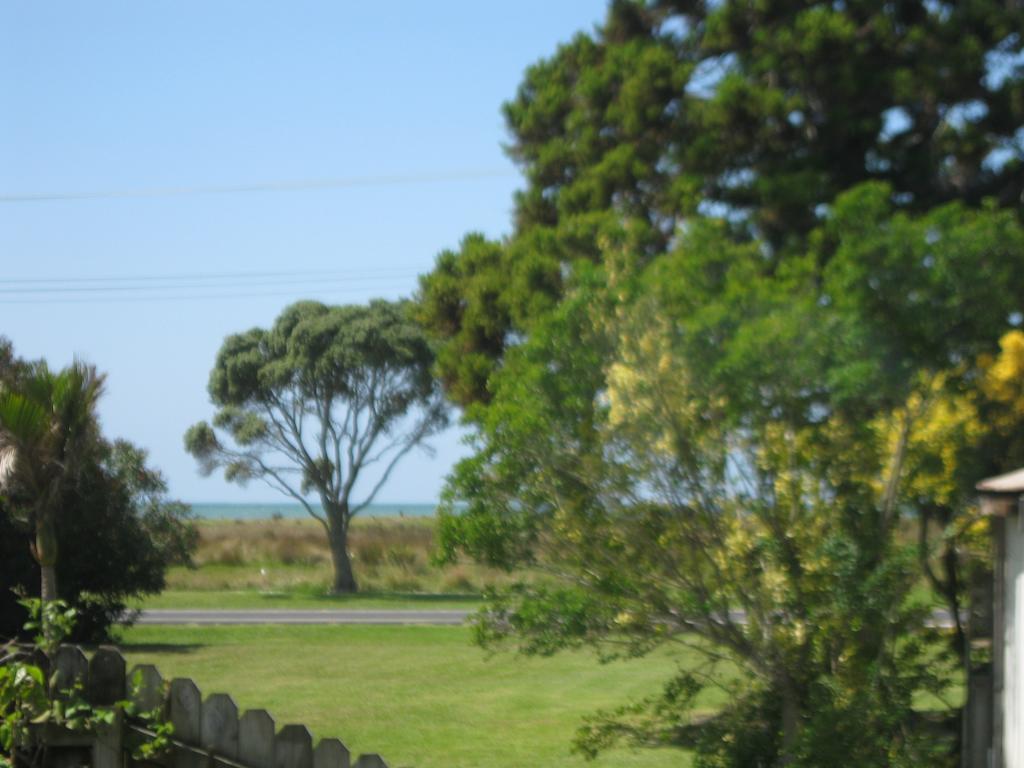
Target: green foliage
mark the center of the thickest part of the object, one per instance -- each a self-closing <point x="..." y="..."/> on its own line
<point x="48" y="435"/>
<point x="779" y="244"/>
<point x="307" y="405"/>
<point x="758" y="112"/>
<point x="27" y="699"/>
<point x="155" y="721"/>
<point x="720" y="433"/>
<point x="117" y="535"/>
<point x="947" y="280"/>
<point x="49" y="623"/>
<point x="94" y="502"/>
<point x="694" y="415"/>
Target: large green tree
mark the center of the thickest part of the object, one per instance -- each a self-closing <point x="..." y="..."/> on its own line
<point x="740" y="329"/>
<point x="311" y="404"/>
<point x="48" y="435"/>
<point x="762" y="112"/>
<point x="117" y="534"/>
<point x="719" y="452"/>
<point x="95" y="503"/>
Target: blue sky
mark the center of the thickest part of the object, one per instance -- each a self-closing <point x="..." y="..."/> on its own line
<point x="128" y="96"/>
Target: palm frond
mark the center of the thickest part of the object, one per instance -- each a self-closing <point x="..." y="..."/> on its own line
<point x="23" y="421"/>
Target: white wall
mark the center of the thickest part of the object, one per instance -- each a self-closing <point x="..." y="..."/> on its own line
<point x="1013" y="647"/>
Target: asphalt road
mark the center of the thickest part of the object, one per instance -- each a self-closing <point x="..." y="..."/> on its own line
<point x="384" y="616"/>
<point x="290" y="616"/>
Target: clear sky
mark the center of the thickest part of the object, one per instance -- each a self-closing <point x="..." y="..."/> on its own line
<point x="143" y="98"/>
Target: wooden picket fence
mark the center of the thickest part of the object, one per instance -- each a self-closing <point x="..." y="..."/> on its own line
<point x="208" y="733"/>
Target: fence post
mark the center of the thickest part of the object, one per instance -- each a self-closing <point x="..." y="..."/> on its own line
<point x="108" y="748"/>
<point x="203" y="731"/>
<point x="331" y="753"/>
<point x="256" y="739"/>
<point x="186" y="707"/>
<point x="294" y="747"/>
<point x="71" y="668"/>
<point x="144" y="687"/>
<point x="220" y="725"/>
<point x="106" y="677"/>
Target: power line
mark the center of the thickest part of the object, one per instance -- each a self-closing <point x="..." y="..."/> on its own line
<point x="21" y="290"/>
<point x="213" y="276"/>
<point x="263" y="186"/>
<point x="165" y="298"/>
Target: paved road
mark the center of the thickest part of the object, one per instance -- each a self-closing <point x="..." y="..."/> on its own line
<point x="290" y="616"/>
<point x="940" y="618"/>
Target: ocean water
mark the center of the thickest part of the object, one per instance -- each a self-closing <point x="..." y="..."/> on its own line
<point x="295" y="510"/>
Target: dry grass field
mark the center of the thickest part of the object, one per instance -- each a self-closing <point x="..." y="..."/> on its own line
<point x="390" y="555"/>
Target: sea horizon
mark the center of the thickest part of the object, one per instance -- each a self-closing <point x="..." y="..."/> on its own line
<point x="232" y="510"/>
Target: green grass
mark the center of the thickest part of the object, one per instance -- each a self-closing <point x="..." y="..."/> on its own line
<point x="420" y="696"/>
<point x="239" y="599"/>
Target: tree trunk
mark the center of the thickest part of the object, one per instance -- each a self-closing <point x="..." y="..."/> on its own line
<point x="48" y="586"/>
<point x="45" y="552"/>
<point x="344" y="578"/>
<point x="790" y="721"/>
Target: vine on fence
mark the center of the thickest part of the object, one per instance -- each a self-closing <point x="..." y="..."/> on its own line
<point x="29" y="701"/>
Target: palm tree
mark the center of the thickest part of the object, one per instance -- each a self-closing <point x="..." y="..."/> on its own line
<point x="48" y="429"/>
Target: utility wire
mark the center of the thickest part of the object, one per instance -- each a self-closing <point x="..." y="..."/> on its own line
<point x="186" y="297"/>
<point x="213" y="276"/>
<point x="264" y="186"/>
<point x="197" y="286"/>
<point x="181" y="286"/>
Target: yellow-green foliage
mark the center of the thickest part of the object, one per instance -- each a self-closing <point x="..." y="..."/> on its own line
<point x="1004" y="380"/>
<point x="940" y="424"/>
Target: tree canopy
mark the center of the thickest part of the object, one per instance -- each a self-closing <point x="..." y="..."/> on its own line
<point x="311" y="404"/>
<point x="761" y="113"/>
<point x="757" y="315"/>
<point x="48" y="429"/>
<point x="89" y="509"/>
<point x="716" y="452"/>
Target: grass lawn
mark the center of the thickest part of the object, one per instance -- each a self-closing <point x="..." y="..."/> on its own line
<point x="309" y="599"/>
<point x="420" y="696"/>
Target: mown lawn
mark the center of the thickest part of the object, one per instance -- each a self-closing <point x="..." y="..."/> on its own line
<point x="307" y="599"/>
<point x="420" y="696"/>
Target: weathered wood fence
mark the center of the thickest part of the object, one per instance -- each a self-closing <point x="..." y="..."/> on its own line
<point x="208" y="732"/>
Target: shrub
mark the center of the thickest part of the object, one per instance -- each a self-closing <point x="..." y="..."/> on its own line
<point x="117" y="535"/>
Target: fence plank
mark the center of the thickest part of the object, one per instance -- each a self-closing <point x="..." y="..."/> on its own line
<point x="293" y="747"/>
<point x="331" y="753"/>
<point x="108" y="748"/>
<point x="144" y="687"/>
<point x="211" y="727"/>
<point x="186" y="705"/>
<point x="39" y="658"/>
<point x="186" y="710"/>
<point x="220" y="725"/>
<point x="106" y="677"/>
<point x="256" y="739"/>
<point x="71" y="666"/>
